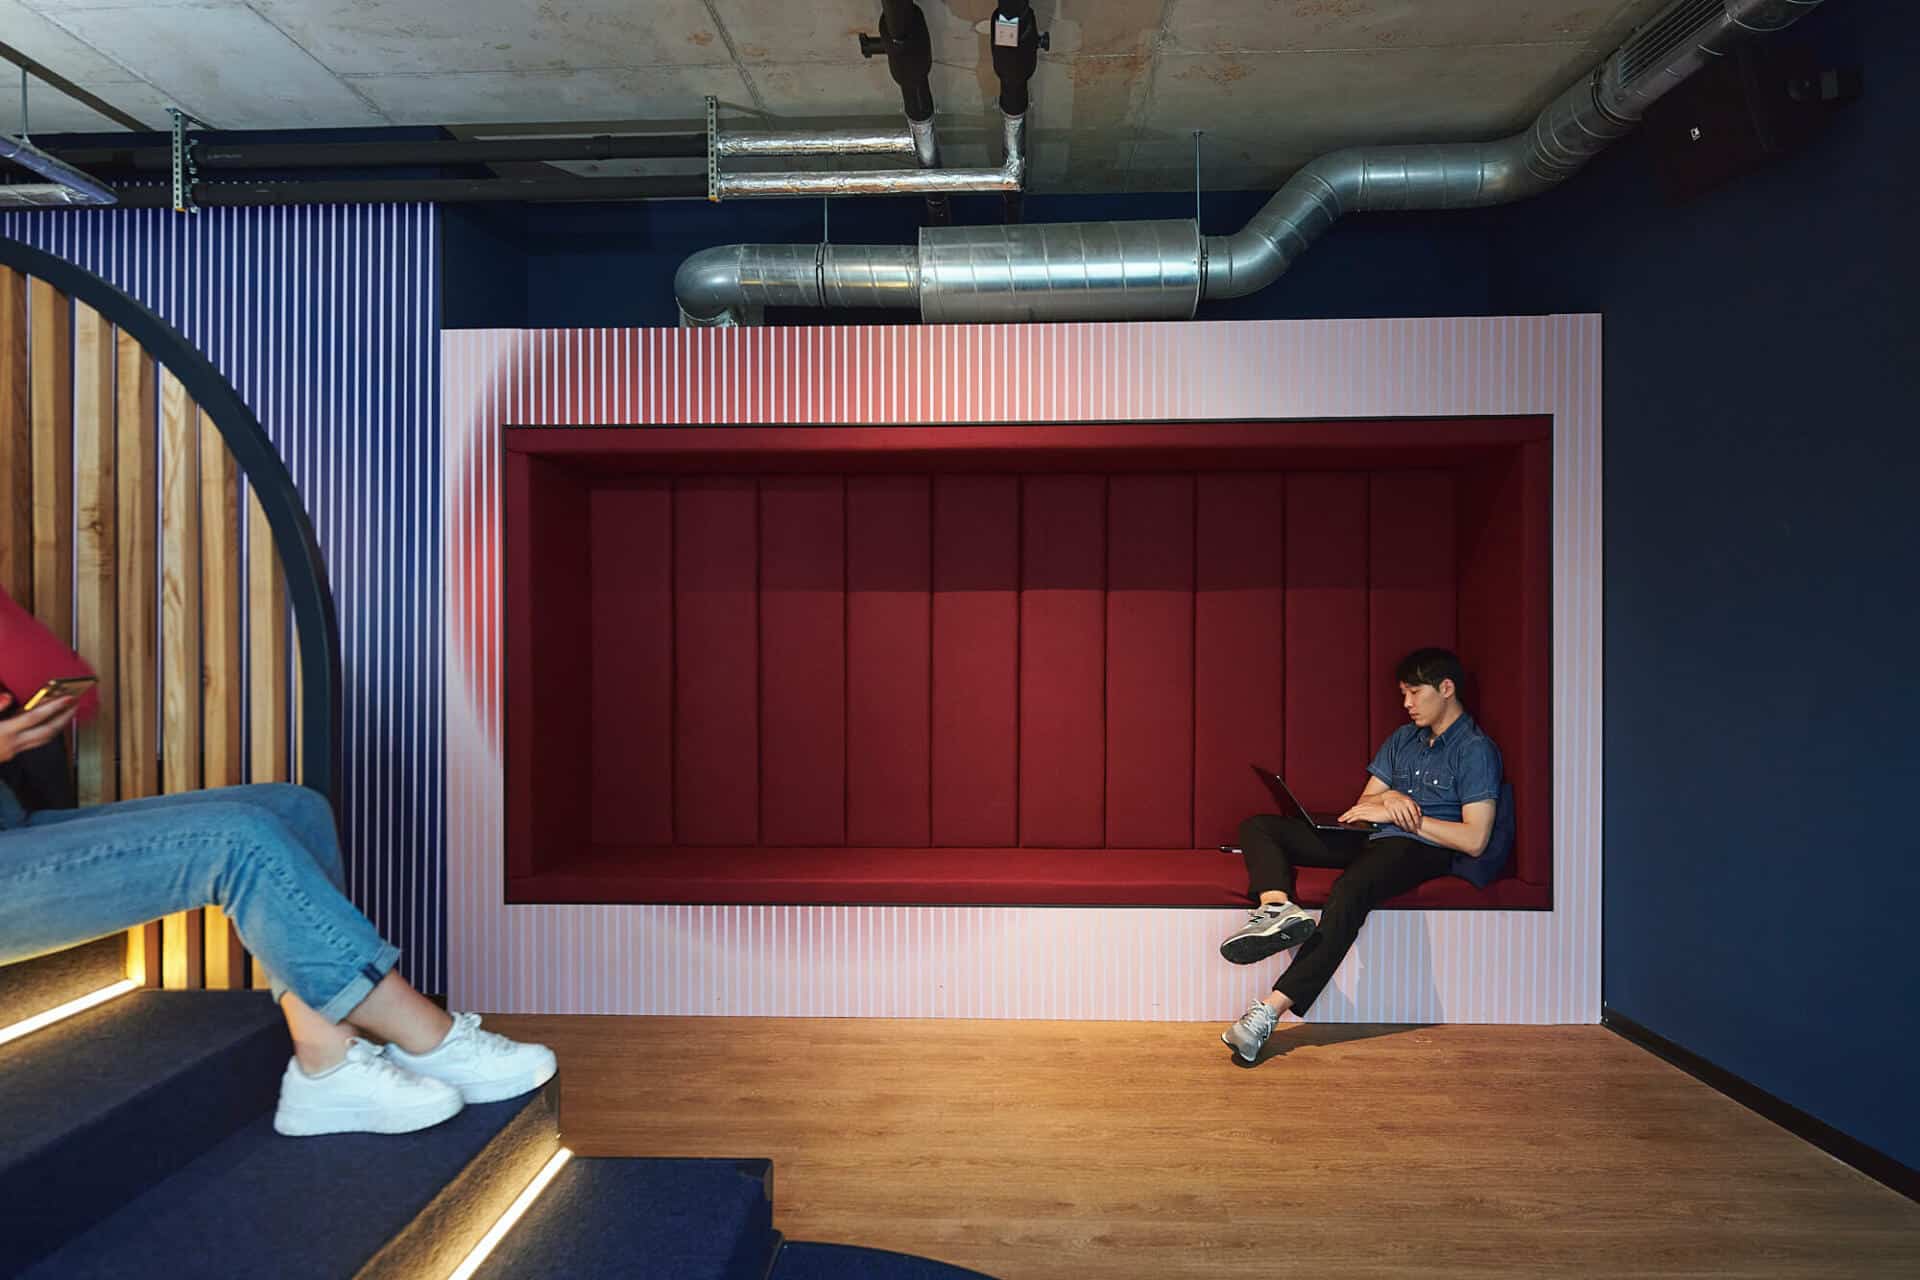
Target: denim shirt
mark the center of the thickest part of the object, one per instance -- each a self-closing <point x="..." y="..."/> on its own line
<point x="1443" y="776"/>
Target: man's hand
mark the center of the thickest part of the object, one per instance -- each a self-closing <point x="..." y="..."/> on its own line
<point x="1386" y="806"/>
<point x="34" y="728"/>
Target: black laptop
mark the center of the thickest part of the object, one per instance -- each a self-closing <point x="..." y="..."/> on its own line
<point x="1290" y="807"/>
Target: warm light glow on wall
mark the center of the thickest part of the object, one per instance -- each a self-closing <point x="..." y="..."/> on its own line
<point x="523" y="1202"/>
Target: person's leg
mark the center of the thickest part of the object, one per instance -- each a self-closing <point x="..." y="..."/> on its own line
<point x="393" y="1011"/>
<point x="73" y="875"/>
<point x="1387" y="869"/>
<point x="309" y="819"/>
<point x="305" y="812"/>
<point x="81" y="875"/>
<point x="1272" y="848"/>
<point x="1384" y="869"/>
<point x="267" y="856"/>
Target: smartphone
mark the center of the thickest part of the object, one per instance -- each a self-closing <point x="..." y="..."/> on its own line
<point x="61" y="687"/>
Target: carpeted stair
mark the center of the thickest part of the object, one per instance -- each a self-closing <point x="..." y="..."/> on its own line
<point x="803" y="1261"/>
<point x="688" y="1219"/>
<point x="136" y="1138"/>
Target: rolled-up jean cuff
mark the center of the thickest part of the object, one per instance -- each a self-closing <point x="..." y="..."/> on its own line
<point x="349" y="997"/>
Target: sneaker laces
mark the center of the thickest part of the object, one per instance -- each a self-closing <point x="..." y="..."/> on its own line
<point x="374" y="1059"/>
<point x="1260" y="1017"/>
<point x="468" y="1037"/>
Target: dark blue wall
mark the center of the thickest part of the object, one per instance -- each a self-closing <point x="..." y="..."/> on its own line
<point x="1762" y="472"/>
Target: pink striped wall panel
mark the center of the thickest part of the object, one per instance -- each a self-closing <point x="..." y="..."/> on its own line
<point x="1030" y="962"/>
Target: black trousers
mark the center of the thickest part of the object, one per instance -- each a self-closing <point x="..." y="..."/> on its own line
<point x="1373" y="871"/>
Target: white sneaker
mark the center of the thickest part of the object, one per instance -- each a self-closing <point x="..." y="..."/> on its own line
<point x="483" y="1066"/>
<point x="364" y="1093"/>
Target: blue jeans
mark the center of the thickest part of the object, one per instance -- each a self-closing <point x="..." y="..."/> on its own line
<point x="268" y="855"/>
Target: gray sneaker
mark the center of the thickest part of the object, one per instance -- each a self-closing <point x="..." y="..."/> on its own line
<point x="1268" y="931"/>
<point x="1247" y="1035"/>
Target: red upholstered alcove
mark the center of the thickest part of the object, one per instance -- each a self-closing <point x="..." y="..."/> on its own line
<point x="997" y="665"/>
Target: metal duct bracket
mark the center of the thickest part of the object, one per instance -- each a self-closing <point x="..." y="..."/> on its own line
<point x="184" y="172"/>
<point x="713" y="150"/>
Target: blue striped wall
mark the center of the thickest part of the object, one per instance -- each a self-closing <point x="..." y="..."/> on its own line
<point x="326" y="318"/>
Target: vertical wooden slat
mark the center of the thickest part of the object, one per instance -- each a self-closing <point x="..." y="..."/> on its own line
<point x="180" y="736"/>
<point x="96" y="606"/>
<point x="135" y="534"/>
<point x="267" y="661"/>
<point x="297" y="714"/>
<point x="51" y="408"/>
<point x="16" y="442"/>
<point x="267" y="655"/>
<point x="220" y="663"/>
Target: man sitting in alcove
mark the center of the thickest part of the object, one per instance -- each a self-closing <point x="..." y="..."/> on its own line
<point x="1433" y="787"/>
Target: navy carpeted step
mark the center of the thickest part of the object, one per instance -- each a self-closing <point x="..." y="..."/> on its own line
<point x="641" y="1219"/>
<point x="100" y="1107"/>
<point x="804" y="1261"/>
<point x="34" y="986"/>
<point x="322" y="1208"/>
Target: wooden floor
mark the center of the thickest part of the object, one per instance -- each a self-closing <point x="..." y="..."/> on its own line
<point x="1031" y="1150"/>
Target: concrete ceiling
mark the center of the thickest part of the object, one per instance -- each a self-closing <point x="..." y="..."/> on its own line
<point x="1271" y="83"/>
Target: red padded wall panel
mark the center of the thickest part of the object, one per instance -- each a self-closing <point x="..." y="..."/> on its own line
<point x="1063" y="661"/>
<point x="1327" y="677"/>
<point x="1149" y="661"/>
<point x="1239" y="649"/>
<point x="632" y="636"/>
<point x="1505" y="596"/>
<point x="976" y="654"/>
<point x="1410" y="582"/>
<point x="889" y="656"/>
<point x="717" y="663"/>
<point x="803" y="660"/>
<point x="548" y="651"/>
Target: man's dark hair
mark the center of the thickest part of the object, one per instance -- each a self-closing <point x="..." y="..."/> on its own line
<point x="1430" y="667"/>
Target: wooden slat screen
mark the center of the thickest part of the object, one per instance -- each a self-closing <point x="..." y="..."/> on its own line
<point x="125" y="525"/>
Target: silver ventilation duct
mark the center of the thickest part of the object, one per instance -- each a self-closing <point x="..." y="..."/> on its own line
<point x="69" y="185"/>
<point x="1120" y="270"/>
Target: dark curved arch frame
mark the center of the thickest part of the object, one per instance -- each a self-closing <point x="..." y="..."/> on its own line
<point x="316" y="627"/>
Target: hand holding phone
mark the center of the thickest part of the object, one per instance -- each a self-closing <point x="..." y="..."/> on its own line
<point x="48" y="718"/>
<point x="61" y="687"/>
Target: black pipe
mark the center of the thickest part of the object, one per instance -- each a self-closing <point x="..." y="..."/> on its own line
<point x="425" y="190"/>
<point x="909" y="50"/>
<point x="374" y="155"/>
<point x="1015" y="63"/>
